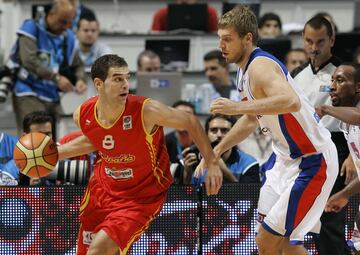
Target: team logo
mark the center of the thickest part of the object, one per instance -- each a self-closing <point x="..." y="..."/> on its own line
<point x="108" y="142"/>
<point x="119" y="174"/>
<point x="127" y="122"/>
<point x="87" y="122"/>
<point x="265" y="130"/>
<point x="260" y="217"/>
<point x="88" y="237"/>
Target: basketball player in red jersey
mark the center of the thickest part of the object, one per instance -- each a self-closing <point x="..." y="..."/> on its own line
<point x="130" y="182"/>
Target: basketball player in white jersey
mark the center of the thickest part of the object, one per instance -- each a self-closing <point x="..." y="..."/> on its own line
<point x="345" y="97"/>
<point x="303" y="168"/>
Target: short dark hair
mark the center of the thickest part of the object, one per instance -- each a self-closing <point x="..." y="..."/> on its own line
<point x="228" y="118"/>
<point x="36" y="117"/>
<point x="356" y="67"/>
<point x="185" y="103"/>
<point x="146" y="53"/>
<point x="88" y="16"/>
<point x="216" y="54"/>
<point x="318" y="22"/>
<point x="269" y="16"/>
<point x="101" y="66"/>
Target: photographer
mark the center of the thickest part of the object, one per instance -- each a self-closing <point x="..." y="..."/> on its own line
<point x="45" y="53"/>
<point x="236" y="165"/>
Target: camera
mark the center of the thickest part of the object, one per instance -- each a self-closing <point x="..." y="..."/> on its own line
<point x="195" y="150"/>
<point x="70" y="172"/>
<point x="7" y="76"/>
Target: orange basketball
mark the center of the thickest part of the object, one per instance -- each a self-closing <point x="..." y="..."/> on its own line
<point x="35" y="154"/>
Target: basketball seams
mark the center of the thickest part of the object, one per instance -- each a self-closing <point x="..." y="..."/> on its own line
<point x="33" y="161"/>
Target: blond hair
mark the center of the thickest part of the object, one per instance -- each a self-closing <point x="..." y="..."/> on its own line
<point x="242" y="19"/>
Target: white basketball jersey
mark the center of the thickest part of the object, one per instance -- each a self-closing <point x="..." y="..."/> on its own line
<point x="352" y="134"/>
<point x="293" y="134"/>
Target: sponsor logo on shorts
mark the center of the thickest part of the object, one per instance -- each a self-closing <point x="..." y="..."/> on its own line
<point x="88" y="237"/>
<point x="260" y="217"/>
<point x="119" y="174"/>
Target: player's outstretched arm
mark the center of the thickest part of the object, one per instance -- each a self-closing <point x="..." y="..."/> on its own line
<point x="158" y="114"/>
<point x="273" y="93"/>
<point x="350" y="115"/>
<point x="77" y="147"/>
<point x="337" y="201"/>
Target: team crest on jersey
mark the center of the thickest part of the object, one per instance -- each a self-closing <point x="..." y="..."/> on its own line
<point x="127" y="122"/>
<point x="119" y="174"/>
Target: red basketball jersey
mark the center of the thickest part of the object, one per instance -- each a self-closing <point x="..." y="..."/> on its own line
<point x="134" y="163"/>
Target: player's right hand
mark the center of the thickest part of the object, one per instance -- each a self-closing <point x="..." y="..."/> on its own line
<point x="336" y="202"/>
<point x="213" y="179"/>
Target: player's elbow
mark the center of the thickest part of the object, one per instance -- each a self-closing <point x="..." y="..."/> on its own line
<point x="295" y="104"/>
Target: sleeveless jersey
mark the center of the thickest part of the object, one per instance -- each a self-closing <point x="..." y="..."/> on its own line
<point x="352" y="134"/>
<point x="293" y="134"/>
<point x="134" y="163"/>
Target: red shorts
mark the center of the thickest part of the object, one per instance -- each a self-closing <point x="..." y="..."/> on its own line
<point x="123" y="220"/>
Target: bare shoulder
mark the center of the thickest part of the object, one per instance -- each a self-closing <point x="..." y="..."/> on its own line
<point x="76" y="116"/>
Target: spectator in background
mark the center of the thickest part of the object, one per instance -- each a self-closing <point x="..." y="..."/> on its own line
<point x="87" y="44"/>
<point x="315" y="78"/>
<point x="329" y="18"/>
<point x="80" y="10"/>
<point x="217" y="71"/>
<point x="237" y="166"/>
<point x="178" y="140"/>
<point x="148" y="61"/>
<point x="38" y="121"/>
<point x="295" y="58"/>
<point x="270" y="26"/>
<point x="45" y="53"/>
<point x="159" y="22"/>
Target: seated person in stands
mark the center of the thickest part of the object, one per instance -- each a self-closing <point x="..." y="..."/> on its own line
<point x="87" y="45"/>
<point x="269" y="26"/>
<point x="159" y="22"/>
<point x="177" y="141"/>
<point x="148" y="61"/>
<point x="38" y="121"/>
<point x="217" y="71"/>
<point x="236" y="165"/>
<point x="295" y="58"/>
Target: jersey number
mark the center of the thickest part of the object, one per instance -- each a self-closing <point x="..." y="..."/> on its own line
<point x="108" y="142"/>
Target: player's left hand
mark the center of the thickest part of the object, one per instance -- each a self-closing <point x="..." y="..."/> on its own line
<point x="224" y="106"/>
<point x="348" y="169"/>
<point x="80" y="86"/>
<point x="336" y="202"/>
<point x="213" y="180"/>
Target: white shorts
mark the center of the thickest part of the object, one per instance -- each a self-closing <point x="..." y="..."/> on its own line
<point x="294" y="193"/>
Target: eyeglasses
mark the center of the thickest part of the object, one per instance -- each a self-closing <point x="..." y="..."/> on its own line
<point x="214" y="130"/>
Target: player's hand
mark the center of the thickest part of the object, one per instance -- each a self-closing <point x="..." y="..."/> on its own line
<point x="200" y="169"/>
<point x="80" y="86"/>
<point x="224" y="106"/>
<point x="213" y="180"/>
<point x="336" y="202"/>
<point x="319" y="110"/>
<point x="348" y="169"/>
